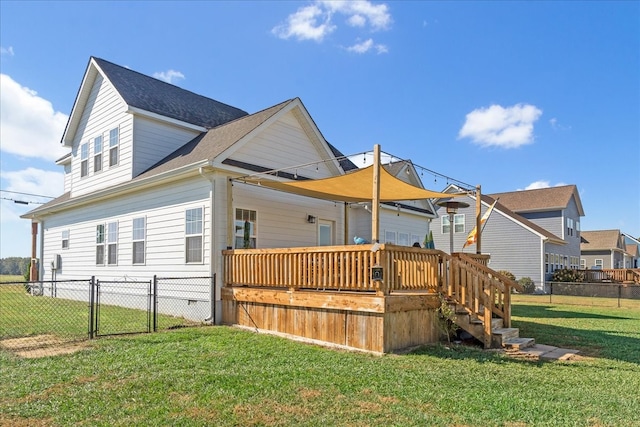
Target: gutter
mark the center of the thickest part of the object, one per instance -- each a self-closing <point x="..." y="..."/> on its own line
<point x="125" y="188"/>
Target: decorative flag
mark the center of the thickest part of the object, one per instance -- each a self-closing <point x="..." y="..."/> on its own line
<point x="473" y="235"/>
<point x="428" y="241"/>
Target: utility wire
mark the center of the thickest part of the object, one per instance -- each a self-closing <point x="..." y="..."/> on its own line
<point x="28" y="194"/>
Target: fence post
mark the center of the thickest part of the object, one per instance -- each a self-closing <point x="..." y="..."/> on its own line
<point x="550" y="291"/>
<point x="91" y="301"/>
<point x="619" y="294"/>
<point x="154" y="303"/>
<point x="213" y="299"/>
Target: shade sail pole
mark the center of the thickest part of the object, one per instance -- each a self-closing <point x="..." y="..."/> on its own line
<point x="478" y="219"/>
<point x="375" y="199"/>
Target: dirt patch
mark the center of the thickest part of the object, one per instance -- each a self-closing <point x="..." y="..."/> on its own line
<point x="41" y="346"/>
<point x="6" y="420"/>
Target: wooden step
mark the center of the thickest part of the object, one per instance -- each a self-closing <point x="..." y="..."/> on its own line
<point x="501" y="335"/>
<point x="518" y="344"/>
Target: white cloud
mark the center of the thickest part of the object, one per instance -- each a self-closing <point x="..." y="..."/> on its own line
<point x="29" y="126"/>
<point x="304" y="25"/>
<point x="34" y="181"/>
<point x="170" y="76"/>
<point x="315" y="21"/>
<point x="366" y="46"/>
<point x="6" y="50"/>
<point x="508" y="127"/>
<point x="541" y="184"/>
<point x="557" y="126"/>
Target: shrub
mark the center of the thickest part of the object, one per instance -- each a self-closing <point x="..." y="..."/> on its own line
<point x="567" y="275"/>
<point x="527" y="284"/>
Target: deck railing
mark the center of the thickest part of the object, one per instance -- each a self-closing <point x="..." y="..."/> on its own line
<point x="619" y="275"/>
<point x="464" y="279"/>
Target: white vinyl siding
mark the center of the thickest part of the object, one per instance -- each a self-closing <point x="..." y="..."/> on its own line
<point x="107" y="111"/>
<point x="155" y="140"/>
<point x="294" y="148"/>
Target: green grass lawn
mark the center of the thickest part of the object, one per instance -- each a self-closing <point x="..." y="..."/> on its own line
<point x="229" y="377"/>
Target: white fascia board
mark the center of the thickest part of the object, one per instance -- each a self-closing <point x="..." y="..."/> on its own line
<point x="126" y="188"/>
<point x="161" y="118"/>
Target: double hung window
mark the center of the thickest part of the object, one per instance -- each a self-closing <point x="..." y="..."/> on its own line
<point x="193" y="235"/>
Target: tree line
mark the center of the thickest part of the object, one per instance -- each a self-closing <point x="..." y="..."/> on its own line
<point x="14" y="266"/>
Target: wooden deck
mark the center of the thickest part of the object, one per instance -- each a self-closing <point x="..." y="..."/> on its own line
<point x="328" y="293"/>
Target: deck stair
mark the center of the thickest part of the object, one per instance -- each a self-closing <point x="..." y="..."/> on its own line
<point x="501" y="337"/>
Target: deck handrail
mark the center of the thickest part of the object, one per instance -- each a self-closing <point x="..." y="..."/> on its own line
<point x="619" y="275"/>
<point x="463" y="279"/>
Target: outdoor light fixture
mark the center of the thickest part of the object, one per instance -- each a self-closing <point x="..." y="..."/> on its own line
<point x="452" y="209"/>
<point x="311" y="219"/>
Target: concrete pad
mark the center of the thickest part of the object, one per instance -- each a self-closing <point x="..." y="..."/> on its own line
<point x="560" y="354"/>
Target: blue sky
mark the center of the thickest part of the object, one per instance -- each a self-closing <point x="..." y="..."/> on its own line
<point x="509" y="95"/>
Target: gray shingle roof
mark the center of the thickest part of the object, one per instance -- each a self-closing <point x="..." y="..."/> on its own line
<point x="599" y="239"/>
<point x="162" y="98"/>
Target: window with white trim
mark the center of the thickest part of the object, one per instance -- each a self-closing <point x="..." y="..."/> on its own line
<point x="65" y="239"/>
<point x="100" y="239"/>
<point x="458" y="223"/>
<point x="193" y="235"/>
<point x="112" y="243"/>
<point x="97" y="154"/>
<point x="570" y="227"/>
<point x="583" y="264"/>
<point x="598" y="263"/>
<point x="415" y="238"/>
<point x="84" y="159"/>
<point x="246" y="229"/>
<point x="390" y="237"/>
<point x="139" y="237"/>
<point x="114" y="140"/>
<point x="546" y="263"/>
<point x="403" y="239"/>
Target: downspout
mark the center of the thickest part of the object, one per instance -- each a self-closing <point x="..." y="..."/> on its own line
<point x="213" y="257"/>
<point x="543" y="270"/>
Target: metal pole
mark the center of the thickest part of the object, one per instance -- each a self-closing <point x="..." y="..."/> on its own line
<point x="91" y="312"/>
<point x="154" y="303"/>
<point x="451" y="233"/>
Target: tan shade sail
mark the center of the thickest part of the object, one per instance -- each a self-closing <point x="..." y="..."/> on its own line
<point x="354" y="187"/>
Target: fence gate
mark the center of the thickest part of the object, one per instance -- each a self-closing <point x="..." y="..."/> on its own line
<point x="120" y="308"/>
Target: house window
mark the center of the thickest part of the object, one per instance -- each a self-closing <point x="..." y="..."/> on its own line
<point x="97" y="154"/>
<point x="100" y="244"/>
<point x="246" y="226"/>
<point x="546" y="263"/>
<point x="193" y="235"/>
<point x="390" y="237"/>
<point x="84" y="159"/>
<point x="583" y="264"/>
<point x="114" y="139"/>
<point x="578" y="228"/>
<point x="403" y="239"/>
<point x="415" y="238"/>
<point x="325" y="233"/>
<point x="458" y="224"/>
<point x="112" y="243"/>
<point x="599" y="263"/>
<point x="569" y="227"/>
<point x="138" y="240"/>
<point x="65" y="239"/>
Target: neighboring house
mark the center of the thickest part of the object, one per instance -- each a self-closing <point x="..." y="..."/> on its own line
<point x="633" y="249"/>
<point x="605" y="249"/>
<point x="148" y="183"/>
<point x="530" y="233"/>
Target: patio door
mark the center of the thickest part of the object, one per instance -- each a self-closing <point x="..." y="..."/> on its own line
<point x="325" y="233"/>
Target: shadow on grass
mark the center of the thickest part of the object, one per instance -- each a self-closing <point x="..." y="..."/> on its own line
<point x="594" y="334"/>
<point x="549" y="312"/>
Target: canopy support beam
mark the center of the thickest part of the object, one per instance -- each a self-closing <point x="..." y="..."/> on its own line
<point x="375" y="199"/>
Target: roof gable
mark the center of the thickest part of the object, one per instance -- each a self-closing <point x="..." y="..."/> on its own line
<point x="541" y="199"/>
<point x="600" y="239"/>
<point x="148" y="94"/>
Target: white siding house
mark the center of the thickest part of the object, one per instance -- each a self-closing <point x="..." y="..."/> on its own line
<point x="149" y="189"/>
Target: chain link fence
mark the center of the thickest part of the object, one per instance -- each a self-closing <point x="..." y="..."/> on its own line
<point x="591" y="294"/>
<point x="54" y="317"/>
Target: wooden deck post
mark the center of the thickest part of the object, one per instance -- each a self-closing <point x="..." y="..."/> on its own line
<point x="478" y="219"/>
<point x="375" y="199"/>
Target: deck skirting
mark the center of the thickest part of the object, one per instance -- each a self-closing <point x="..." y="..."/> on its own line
<point x="365" y="321"/>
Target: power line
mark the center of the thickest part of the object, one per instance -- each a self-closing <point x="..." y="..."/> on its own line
<point x="27" y="194"/>
<point x="22" y="202"/>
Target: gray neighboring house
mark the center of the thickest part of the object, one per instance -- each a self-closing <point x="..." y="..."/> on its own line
<point x="633" y="249"/>
<point x="604" y="249"/>
<point x="530" y="233"/>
